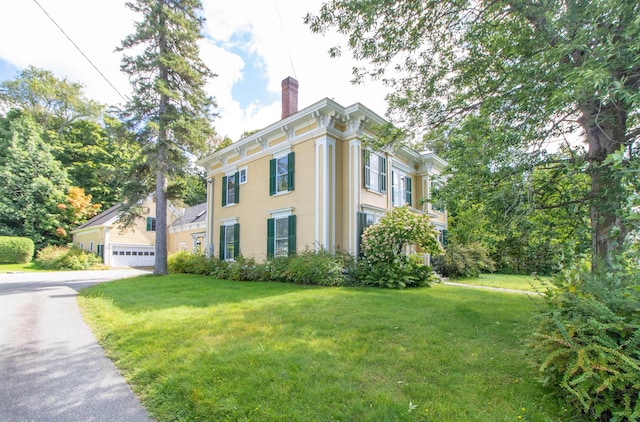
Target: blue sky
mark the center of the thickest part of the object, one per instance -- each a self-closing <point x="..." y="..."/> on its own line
<point x="251" y="44"/>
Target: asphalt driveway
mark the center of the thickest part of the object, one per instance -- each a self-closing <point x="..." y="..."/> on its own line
<point x="51" y="366"/>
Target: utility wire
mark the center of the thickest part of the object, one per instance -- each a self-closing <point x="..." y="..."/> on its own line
<point x="81" y="52"/>
<point x="284" y="33"/>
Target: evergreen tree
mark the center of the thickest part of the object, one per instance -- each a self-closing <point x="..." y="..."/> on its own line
<point x="169" y="109"/>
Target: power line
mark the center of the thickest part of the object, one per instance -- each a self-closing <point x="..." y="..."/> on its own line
<point x="80" y="50"/>
<point x="284" y="33"/>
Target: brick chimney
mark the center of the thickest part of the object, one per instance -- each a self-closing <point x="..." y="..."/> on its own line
<point x="289" y="97"/>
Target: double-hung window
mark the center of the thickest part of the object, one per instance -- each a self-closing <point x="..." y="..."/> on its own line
<point x="229" y="241"/>
<point x="281" y="236"/>
<point x="151" y="224"/>
<point x="401" y="193"/>
<point x="281" y="174"/>
<point x="231" y="189"/>
<point x="375" y="172"/>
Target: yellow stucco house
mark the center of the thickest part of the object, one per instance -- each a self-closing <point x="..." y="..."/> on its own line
<point x="310" y="181"/>
<point x="135" y="246"/>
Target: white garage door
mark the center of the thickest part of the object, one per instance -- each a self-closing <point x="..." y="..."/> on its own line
<point x="132" y="256"/>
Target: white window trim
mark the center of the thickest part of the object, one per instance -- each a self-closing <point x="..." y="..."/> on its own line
<point x="227" y="175"/>
<point x="246" y="175"/>
<point x="226" y="242"/>
<point x="281" y="212"/>
<point x="379" y="190"/>
<point x="278" y="157"/>
<point x="229" y="221"/>
<point x="399" y="193"/>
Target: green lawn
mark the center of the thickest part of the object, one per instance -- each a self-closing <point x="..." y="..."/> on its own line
<point x="18" y="268"/>
<point x="196" y="348"/>
<point x="506" y="281"/>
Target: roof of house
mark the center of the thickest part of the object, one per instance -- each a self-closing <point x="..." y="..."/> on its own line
<point x="101" y="218"/>
<point x="194" y="214"/>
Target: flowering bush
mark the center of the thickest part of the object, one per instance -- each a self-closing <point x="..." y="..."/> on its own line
<point x="384" y="243"/>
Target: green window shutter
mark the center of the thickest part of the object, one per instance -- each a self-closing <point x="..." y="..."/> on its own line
<point x="407" y="185"/>
<point x="149" y="219"/>
<point x="271" y="234"/>
<point x="221" y="253"/>
<point x="272" y="176"/>
<point x="224" y="191"/>
<point x="445" y="237"/>
<point x="292" y="234"/>
<point x="383" y="174"/>
<point x="236" y="240"/>
<point x="236" y="189"/>
<point x="291" y="171"/>
<point x="367" y="171"/>
<point x="362" y="222"/>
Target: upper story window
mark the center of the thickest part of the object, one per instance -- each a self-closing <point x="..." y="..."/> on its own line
<point x="231" y="189"/>
<point x="151" y="224"/>
<point x="401" y="193"/>
<point x="281" y="174"/>
<point x="242" y="176"/>
<point x="375" y="172"/>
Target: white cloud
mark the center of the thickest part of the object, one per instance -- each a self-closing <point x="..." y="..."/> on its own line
<point x="273" y="31"/>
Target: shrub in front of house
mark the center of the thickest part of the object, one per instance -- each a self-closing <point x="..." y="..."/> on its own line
<point x="15" y="250"/>
<point x="196" y="263"/>
<point x="319" y="268"/>
<point x="587" y="343"/>
<point x="66" y="258"/>
<point x="463" y="261"/>
<point x="384" y="244"/>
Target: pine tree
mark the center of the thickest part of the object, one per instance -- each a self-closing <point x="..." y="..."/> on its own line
<point x="169" y="108"/>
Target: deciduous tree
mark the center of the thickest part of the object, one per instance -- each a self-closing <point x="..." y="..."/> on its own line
<point x="535" y="70"/>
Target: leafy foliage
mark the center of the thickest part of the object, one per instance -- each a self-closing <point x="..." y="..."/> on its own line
<point x="321" y="268"/>
<point x="530" y="72"/>
<point x="15" y="250"/>
<point x="384" y="245"/>
<point x="33" y="183"/>
<point x="529" y="216"/>
<point x="460" y="261"/>
<point x="66" y="258"/>
<point x="53" y="103"/>
<point x="587" y="342"/>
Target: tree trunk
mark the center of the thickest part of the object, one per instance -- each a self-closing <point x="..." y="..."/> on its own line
<point x="605" y="129"/>
<point x="161" y="266"/>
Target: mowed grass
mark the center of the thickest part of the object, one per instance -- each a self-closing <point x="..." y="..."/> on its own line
<point x="19" y="268"/>
<point x="196" y="348"/>
<point x="507" y="281"/>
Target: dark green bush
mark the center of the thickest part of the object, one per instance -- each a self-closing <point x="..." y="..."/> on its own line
<point x="587" y="343"/>
<point x="66" y="258"/>
<point x="320" y="268"/>
<point x="15" y="250"/>
<point x="460" y="261"/>
<point x="406" y="271"/>
<point x="196" y="263"/>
